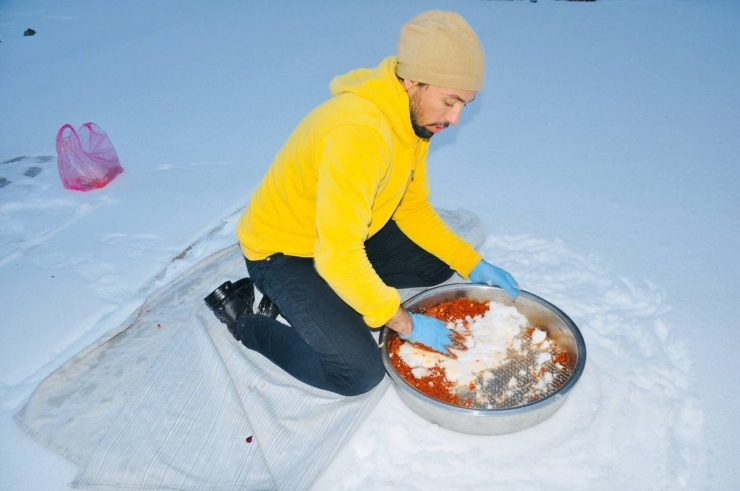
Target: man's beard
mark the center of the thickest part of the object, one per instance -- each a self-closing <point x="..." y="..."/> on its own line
<point x="419" y="130"/>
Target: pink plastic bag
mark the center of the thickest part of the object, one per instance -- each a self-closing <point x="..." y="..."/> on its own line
<point x="87" y="159"/>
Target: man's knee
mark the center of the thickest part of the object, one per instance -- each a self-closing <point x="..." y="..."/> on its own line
<point x="362" y="377"/>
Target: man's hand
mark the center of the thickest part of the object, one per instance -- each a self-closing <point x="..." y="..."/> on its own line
<point x="401" y="322"/>
<point x="429" y="332"/>
<point x="486" y="272"/>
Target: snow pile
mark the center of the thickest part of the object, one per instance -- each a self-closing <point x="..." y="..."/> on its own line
<point x="486" y="341"/>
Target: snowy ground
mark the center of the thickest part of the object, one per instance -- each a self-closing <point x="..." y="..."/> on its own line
<point x="602" y="157"/>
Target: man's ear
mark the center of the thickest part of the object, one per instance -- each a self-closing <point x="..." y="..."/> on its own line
<point x="407" y="84"/>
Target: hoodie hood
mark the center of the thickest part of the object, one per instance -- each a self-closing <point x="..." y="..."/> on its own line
<point x="380" y="86"/>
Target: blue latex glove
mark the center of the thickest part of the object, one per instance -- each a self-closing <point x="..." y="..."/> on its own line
<point x="429" y="332"/>
<point x="486" y="272"/>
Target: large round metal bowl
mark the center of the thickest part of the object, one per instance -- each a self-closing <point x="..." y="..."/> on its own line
<point x="560" y="328"/>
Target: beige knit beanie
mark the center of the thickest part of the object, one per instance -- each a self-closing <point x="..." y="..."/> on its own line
<point x="440" y="48"/>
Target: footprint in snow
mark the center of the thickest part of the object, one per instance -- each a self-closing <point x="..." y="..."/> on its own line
<point x="23" y="166"/>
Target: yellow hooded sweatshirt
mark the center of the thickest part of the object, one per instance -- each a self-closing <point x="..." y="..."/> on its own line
<point x="351" y="165"/>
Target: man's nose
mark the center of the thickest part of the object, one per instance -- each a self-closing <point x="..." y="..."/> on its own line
<point x="454" y="115"/>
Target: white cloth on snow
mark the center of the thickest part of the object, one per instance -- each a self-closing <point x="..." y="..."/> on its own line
<point x="170" y="400"/>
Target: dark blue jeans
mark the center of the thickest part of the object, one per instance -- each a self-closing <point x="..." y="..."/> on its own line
<point x="328" y="345"/>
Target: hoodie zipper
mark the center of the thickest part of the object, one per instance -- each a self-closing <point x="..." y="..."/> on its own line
<point x="416" y="159"/>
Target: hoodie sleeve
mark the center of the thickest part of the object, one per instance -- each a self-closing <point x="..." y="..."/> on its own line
<point x="352" y="164"/>
<point x="418" y="219"/>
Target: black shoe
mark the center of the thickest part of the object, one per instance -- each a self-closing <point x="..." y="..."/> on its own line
<point x="231" y="301"/>
<point x="267" y="308"/>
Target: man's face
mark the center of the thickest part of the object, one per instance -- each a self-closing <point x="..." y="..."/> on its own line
<point x="435" y="108"/>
